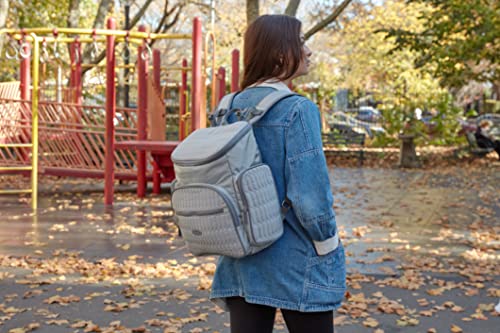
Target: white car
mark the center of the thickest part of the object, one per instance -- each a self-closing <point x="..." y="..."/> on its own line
<point x="341" y="119"/>
<point x="368" y="114"/>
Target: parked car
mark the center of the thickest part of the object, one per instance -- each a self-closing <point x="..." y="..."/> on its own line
<point x="368" y="114"/>
<point x="341" y="119"/>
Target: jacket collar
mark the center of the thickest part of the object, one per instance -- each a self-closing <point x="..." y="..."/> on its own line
<point x="273" y="83"/>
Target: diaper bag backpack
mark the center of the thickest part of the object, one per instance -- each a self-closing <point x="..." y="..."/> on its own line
<point x="224" y="198"/>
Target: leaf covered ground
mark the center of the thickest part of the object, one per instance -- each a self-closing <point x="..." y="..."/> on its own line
<point x="423" y="250"/>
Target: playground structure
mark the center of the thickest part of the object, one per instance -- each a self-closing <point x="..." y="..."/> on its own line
<point x="69" y="138"/>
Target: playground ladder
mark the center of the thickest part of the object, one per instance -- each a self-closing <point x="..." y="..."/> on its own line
<point x="34" y="163"/>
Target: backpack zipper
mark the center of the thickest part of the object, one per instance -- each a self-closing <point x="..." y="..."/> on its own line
<point x="242" y="132"/>
<point x="188" y="213"/>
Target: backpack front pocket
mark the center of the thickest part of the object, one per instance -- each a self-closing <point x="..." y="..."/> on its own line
<point x="209" y="221"/>
<point x="262" y="210"/>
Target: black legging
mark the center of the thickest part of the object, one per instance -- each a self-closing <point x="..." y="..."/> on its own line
<point x="255" y="318"/>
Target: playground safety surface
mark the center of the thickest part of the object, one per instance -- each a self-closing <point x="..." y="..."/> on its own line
<point x="423" y="250"/>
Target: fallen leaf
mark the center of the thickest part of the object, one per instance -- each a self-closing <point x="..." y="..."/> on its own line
<point x="57" y="322"/>
<point x="338" y="320"/>
<point x="91" y="328"/>
<point x="370" y="322"/>
<point x="457" y="308"/>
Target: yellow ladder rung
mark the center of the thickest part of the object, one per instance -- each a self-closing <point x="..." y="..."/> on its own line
<point x="15" y="191"/>
<point x="16" y="168"/>
<point x="16" y="145"/>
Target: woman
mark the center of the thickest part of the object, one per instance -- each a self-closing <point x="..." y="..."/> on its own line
<point x="303" y="272"/>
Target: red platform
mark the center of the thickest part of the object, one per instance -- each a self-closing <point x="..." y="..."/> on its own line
<point x="160" y="150"/>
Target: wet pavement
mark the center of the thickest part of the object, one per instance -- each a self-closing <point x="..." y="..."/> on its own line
<point x="423" y="252"/>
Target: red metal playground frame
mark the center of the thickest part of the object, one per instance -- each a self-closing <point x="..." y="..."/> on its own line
<point x="72" y="136"/>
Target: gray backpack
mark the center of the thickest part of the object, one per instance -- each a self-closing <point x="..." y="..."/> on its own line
<point x="224" y="198"/>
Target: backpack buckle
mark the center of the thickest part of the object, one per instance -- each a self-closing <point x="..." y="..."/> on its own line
<point x="255" y="112"/>
<point x="251" y="112"/>
<point x="216" y="116"/>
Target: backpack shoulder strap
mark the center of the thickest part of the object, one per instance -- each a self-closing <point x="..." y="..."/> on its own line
<point x="267" y="103"/>
<point x="227" y="101"/>
<point x="222" y="109"/>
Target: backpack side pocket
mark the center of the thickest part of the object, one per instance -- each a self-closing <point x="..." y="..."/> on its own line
<point x="262" y="210"/>
<point x="209" y="221"/>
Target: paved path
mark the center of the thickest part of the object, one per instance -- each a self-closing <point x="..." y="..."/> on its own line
<point x="422" y="248"/>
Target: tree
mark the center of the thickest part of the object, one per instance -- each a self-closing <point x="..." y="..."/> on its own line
<point x="73" y="14"/>
<point x="459" y="39"/>
<point x="291" y="9"/>
<point x="4" y="10"/>
<point x="162" y="25"/>
<point x="362" y="57"/>
<point x="362" y="64"/>
<point x="252" y="10"/>
<point x="82" y="13"/>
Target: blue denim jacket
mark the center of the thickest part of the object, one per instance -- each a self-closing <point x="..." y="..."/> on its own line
<point x="292" y="273"/>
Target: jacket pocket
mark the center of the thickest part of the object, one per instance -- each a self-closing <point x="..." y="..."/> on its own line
<point x="328" y="271"/>
<point x="209" y="221"/>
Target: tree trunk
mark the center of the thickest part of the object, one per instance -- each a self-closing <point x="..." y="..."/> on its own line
<point x="102" y="10"/>
<point x="407" y="154"/>
<point x="4" y="10"/>
<point x="496" y="90"/>
<point x="291" y="9"/>
<point x="73" y="14"/>
<point x="252" y="10"/>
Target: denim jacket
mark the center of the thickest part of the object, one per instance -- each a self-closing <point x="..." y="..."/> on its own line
<point x="304" y="270"/>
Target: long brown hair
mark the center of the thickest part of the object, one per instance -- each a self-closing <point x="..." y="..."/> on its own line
<point x="272" y="49"/>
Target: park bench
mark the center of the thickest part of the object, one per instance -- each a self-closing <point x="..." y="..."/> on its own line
<point x="345" y="141"/>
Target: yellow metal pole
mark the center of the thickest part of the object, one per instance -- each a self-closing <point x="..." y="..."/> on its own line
<point x="175" y="68"/>
<point x="51" y="39"/>
<point x="98" y="32"/>
<point x="187" y="114"/>
<point x="210" y="35"/>
<point x="104" y="65"/>
<point x="34" y="123"/>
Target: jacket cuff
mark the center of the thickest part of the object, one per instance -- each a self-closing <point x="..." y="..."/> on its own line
<point x="326" y="246"/>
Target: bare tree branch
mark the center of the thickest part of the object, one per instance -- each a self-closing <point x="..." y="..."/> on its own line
<point x="133" y="22"/>
<point x="163" y="18"/>
<point x="166" y="14"/>
<point x="291" y="8"/>
<point x="329" y="19"/>
<point x="174" y="20"/>
<point x="140" y="13"/>
<point x="164" y="27"/>
<point x="200" y="4"/>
